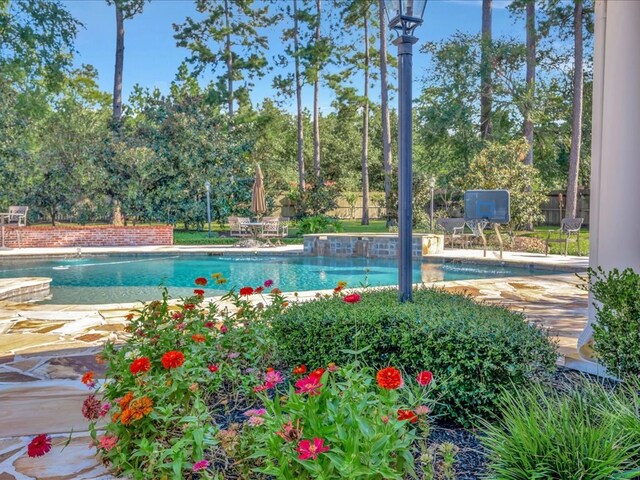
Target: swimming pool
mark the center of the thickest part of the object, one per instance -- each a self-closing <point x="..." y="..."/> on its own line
<point x="128" y="278"/>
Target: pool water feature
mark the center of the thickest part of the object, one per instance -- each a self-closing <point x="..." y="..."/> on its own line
<point x="129" y="278"/>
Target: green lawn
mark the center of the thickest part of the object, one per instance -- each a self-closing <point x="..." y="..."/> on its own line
<point x="219" y="236"/>
<point x="558" y="248"/>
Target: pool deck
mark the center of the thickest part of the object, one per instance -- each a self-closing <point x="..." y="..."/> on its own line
<point x="45" y="349"/>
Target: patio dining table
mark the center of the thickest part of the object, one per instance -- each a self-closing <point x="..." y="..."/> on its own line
<point x="256" y="229"/>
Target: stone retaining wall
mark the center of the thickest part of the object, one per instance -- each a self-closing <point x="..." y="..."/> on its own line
<point x="369" y="246"/>
<point x="88" y="236"/>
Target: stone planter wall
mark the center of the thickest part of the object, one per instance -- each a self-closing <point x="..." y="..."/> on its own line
<point x="89" y="236"/>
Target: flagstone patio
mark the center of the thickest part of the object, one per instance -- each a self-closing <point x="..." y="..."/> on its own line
<point x="45" y="349"/>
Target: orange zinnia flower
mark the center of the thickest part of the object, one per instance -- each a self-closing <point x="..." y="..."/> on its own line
<point x="198" y="337"/>
<point x="389" y="378"/>
<point x="140" y="407"/>
<point x="172" y="359"/>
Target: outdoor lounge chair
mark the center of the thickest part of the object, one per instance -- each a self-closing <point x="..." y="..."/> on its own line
<point x="569" y="231"/>
<point x="454" y="227"/>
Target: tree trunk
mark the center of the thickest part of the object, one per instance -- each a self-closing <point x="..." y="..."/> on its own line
<point x="365" y="127"/>
<point x="296" y="51"/>
<point x="576" y="127"/>
<point x="531" y="78"/>
<point x="229" y="59"/>
<point x="117" y="77"/>
<point x="486" y="126"/>
<point x="316" y="100"/>
<point x="384" y="98"/>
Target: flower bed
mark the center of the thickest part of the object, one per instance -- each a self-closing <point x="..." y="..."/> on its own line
<point x="198" y="392"/>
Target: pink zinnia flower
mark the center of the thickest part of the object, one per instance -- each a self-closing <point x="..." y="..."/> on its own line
<point x="177" y="316"/>
<point x="91" y="408"/>
<point x="260" y="388"/>
<point x="224" y="329"/>
<point x="107" y="442"/>
<point x="105" y="409"/>
<point x="309" y="384"/>
<point x="273" y="378"/>
<point x="201" y="465"/>
<point x="268" y="283"/>
<point x="422" y="410"/>
<point x="256" y="421"/>
<point x="255" y="412"/>
<point x="308" y="449"/>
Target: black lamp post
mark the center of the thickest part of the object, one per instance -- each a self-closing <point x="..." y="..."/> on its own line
<point x="404" y="16"/>
<point x="207" y="186"/>
<point x="432" y="185"/>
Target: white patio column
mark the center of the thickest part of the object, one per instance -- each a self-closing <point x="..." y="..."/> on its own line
<point x="614" y="221"/>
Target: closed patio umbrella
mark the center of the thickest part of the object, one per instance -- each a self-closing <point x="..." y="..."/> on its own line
<point x="258" y="198"/>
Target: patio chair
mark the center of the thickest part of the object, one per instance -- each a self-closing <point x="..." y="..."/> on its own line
<point x="283" y="225"/>
<point x="271" y="227"/>
<point x="454" y="227"/>
<point x="569" y="231"/>
<point x="236" y="229"/>
<point x="17" y="216"/>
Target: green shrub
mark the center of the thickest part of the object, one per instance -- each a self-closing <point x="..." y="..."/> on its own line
<point x="586" y="433"/>
<point x="475" y="349"/>
<point x="617" y="332"/>
<point x="319" y="224"/>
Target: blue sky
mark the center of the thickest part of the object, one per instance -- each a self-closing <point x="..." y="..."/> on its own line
<point x="152" y="58"/>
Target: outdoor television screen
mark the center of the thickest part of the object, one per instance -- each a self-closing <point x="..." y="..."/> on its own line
<point x="490" y="205"/>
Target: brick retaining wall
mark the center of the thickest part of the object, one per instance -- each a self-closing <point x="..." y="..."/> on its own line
<point x="89" y="236"/>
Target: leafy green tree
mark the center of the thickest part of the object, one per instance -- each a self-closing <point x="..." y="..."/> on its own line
<point x="229" y="34"/>
<point x="501" y="166"/>
<point x="70" y="137"/>
<point x="36" y="40"/>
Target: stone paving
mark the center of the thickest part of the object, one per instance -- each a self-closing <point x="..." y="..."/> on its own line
<point x="45" y="349"/>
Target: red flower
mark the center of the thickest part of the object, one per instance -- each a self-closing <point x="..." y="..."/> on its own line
<point x="198" y="337"/>
<point x="338" y="289"/>
<point x="88" y="379"/>
<point x="201" y="281"/>
<point x="177" y="316"/>
<point x="246" y="291"/>
<point x="142" y="364"/>
<point x="317" y="373"/>
<point x="300" y="370"/>
<point x="129" y="316"/>
<point x="40" y="445"/>
<point x="189" y="306"/>
<point x="224" y="329"/>
<point x="213" y="368"/>
<point x="389" y="378"/>
<point x="424" y="378"/>
<point x="407" y="415"/>
<point x="309" y="384"/>
<point x="198" y="292"/>
<point x="307" y="449"/>
<point x="353" y="298"/>
<point x="258" y="289"/>
<point x="172" y="359"/>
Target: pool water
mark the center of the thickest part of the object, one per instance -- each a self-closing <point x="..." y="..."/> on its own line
<point x="128" y="278"/>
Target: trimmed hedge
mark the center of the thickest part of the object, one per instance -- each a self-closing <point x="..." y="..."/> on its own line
<point x="474" y="350"/>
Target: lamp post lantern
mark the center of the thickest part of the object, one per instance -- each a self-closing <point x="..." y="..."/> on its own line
<point x="404" y="16"/>
<point x="207" y="186"/>
<point x="432" y="185"/>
